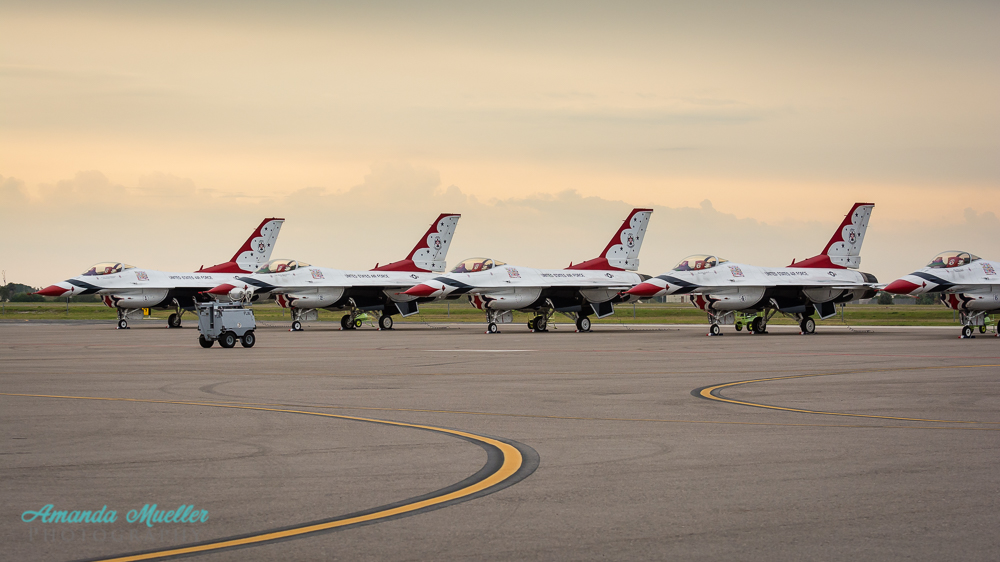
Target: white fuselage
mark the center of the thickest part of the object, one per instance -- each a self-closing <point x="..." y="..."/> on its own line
<point x="322" y="287"/>
<point x="145" y="288"/>
<point x="508" y="287"/>
<point x="973" y="287"/>
<point x="737" y="287"/>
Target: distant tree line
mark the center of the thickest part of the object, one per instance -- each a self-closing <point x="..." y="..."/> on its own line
<point x="926" y="298"/>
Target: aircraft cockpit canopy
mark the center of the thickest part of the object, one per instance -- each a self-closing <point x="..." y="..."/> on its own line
<point x="473" y="265"/>
<point x="952" y="258"/>
<point x="698" y="262"/>
<point x="108" y="268"/>
<point x="281" y="266"/>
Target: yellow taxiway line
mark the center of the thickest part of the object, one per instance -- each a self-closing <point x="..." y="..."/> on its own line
<point x="512" y="462"/>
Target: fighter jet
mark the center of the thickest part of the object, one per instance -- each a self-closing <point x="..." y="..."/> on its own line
<point x="722" y="288"/>
<point x="300" y="287"/>
<point x="127" y="288"/>
<point x="579" y="291"/>
<point x="964" y="282"/>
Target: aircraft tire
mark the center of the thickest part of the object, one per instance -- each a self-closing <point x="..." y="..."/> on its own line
<point x="345" y="322"/>
<point x="248" y="339"/>
<point x="385" y="322"/>
<point x="227" y="340"/>
<point x="714" y="329"/>
<point x="583" y="324"/>
<point x="808" y="326"/>
<point x="205" y="342"/>
<point x="296" y="326"/>
<point x="123" y="324"/>
<point x="492" y="328"/>
<point x="757" y="325"/>
<point x="541" y="324"/>
<point x="173" y="321"/>
<point x="966" y="331"/>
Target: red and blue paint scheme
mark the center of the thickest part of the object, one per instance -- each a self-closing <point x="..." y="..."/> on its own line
<point x="722" y="288"/>
<point x="579" y="291"/>
<point x="964" y="282"/>
<point x="301" y="287"/>
<point x="127" y="288"/>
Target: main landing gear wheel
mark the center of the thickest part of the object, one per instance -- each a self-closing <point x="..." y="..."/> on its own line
<point x="583" y="324"/>
<point x="123" y="324"/>
<point x="296" y="326"/>
<point x="757" y="325"/>
<point x="345" y="322"/>
<point x="173" y="321"/>
<point x="227" y="340"/>
<point x="385" y="322"/>
<point x="541" y="324"/>
<point x="808" y="326"/>
<point x="714" y="330"/>
<point x="966" y="331"/>
<point x="492" y="328"/>
<point x="248" y="339"/>
<point x="206" y="343"/>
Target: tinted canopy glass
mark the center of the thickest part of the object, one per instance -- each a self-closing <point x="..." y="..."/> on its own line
<point x="280" y="266"/>
<point x="698" y="262"/>
<point x="952" y="258"/>
<point x="473" y="265"/>
<point x="108" y="268"/>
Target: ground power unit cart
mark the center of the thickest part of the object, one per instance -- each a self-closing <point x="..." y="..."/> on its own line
<point x="226" y="322"/>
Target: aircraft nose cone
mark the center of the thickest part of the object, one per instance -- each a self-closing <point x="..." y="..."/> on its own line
<point x="901" y="287"/>
<point x="221" y="289"/>
<point x="644" y="290"/>
<point x="421" y="290"/>
<point x="53" y="291"/>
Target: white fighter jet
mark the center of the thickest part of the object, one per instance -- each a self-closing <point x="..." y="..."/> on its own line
<point x="965" y="282"/>
<point x="579" y="291"/>
<point x="722" y="288"/>
<point x="300" y="287"/>
<point x="127" y="288"/>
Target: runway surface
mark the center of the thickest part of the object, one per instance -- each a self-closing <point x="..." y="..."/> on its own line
<point x="446" y="443"/>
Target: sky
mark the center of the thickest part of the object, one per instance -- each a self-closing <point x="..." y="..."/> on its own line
<point x="161" y="133"/>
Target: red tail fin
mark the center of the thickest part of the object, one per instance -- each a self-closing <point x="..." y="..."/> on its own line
<point x="254" y="253"/>
<point x="622" y="252"/>
<point x="431" y="251"/>
<point x="844" y="248"/>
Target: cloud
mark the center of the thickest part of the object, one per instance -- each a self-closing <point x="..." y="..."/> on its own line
<point x="168" y="222"/>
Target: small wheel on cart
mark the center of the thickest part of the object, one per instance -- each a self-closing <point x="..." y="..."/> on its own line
<point x="205" y="342"/>
<point x="982" y="329"/>
<point x="248" y="339"/>
<point x="357" y="322"/>
<point x="531" y="324"/>
<point x="714" y="329"/>
<point x="173" y="321"/>
<point x="739" y="326"/>
<point x="227" y="339"/>
<point x="966" y="331"/>
<point x="385" y="322"/>
<point x="296" y="326"/>
<point x="123" y="324"/>
<point x="491" y="328"/>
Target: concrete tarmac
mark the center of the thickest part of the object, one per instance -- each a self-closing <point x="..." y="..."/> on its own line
<point x="619" y="444"/>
